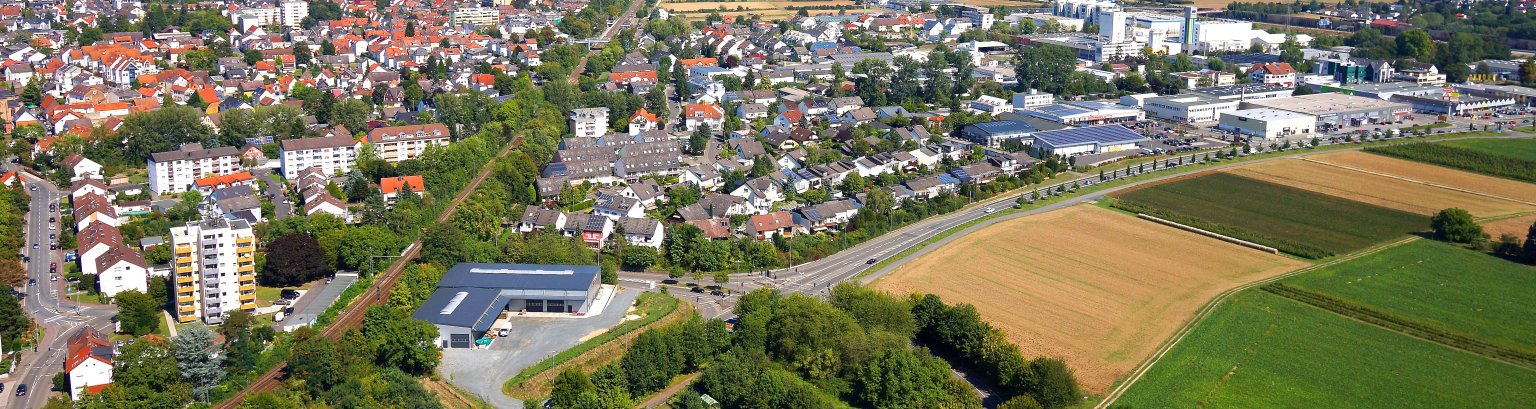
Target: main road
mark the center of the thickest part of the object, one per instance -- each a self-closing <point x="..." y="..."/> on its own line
<point x="46" y="300"/>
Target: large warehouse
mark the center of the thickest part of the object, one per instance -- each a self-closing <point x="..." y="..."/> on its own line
<point x="1337" y="109"/>
<point x="1082" y="141"/>
<point x="1268" y="123"/>
<point x="471" y="296"/>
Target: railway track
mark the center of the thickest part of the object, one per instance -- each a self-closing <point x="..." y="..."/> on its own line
<point x="352" y="316"/>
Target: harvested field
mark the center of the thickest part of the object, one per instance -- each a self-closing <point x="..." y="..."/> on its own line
<point x="1459" y="179"/>
<point x="1297" y="221"/>
<point x="1517" y="226"/>
<point x="1002" y="3"/>
<point x="1374" y="189"/>
<point x="1099" y="288"/>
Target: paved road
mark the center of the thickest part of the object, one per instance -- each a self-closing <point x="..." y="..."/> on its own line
<point x="281" y="207"/>
<point x="59" y="318"/>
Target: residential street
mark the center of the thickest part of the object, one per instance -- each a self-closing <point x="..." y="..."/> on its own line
<point x="58" y="317"/>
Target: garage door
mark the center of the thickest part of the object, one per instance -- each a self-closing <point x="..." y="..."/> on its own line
<point x="459" y="341"/>
<point x="554" y="306"/>
<point x="535" y="306"/>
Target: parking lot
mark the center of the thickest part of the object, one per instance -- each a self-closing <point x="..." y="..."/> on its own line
<point x="482" y="371"/>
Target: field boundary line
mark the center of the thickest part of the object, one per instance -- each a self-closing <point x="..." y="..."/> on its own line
<point x="1211" y="234"/>
<point x="1209" y="307"/>
<point x="1406" y="179"/>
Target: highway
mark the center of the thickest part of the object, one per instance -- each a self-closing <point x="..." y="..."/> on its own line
<point x="46" y="303"/>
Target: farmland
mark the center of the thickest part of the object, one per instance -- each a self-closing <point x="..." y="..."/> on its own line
<point x="1515" y="226"/>
<point x="1385" y="190"/>
<point x="1478" y="160"/>
<point x="1297" y="221"/>
<point x="1262" y="350"/>
<point x="765" y="9"/>
<point x="1097" y="287"/>
<point x="1514" y="148"/>
<point x="1441" y="176"/>
<point x="1441" y="286"/>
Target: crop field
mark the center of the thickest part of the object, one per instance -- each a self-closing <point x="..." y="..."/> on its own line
<point x="1512" y="190"/>
<point x="1296" y="221"/>
<point x="1478" y="160"/>
<point x="1514" y="148"/>
<point x="1516" y="226"/>
<point x="1262" y="350"/>
<point x="1099" y="288"/>
<point x="1385" y="190"/>
<point x="1439" y="285"/>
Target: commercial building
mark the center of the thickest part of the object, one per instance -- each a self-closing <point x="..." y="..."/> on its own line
<point x="1453" y="103"/>
<point x="1032" y="98"/>
<point x="994" y="133"/>
<point x="1246" y="92"/>
<point x="472" y="296"/>
<point x="1086" y="113"/>
<point x="1188" y="108"/>
<point x="174" y="172"/>
<point x="214" y="268"/>
<point x="334" y="154"/>
<point x="1268" y="123"/>
<point x="1336" y="109"/>
<point x="475" y="16"/>
<point x="1521" y="95"/>
<point x="1381" y="90"/>
<point x="1089" y="140"/>
<point x="399" y="143"/>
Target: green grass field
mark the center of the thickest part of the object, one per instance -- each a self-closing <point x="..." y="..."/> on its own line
<point x="1259" y="350"/>
<point x="1295" y="221"/>
<point x="1514" y="148"/>
<point x="1443" y="286"/>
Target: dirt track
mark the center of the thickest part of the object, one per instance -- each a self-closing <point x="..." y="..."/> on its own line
<point x="1098" y="288"/>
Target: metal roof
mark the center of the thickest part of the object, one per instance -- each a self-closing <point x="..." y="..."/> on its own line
<point x="1102" y="135"/>
<point x="470" y="294"/>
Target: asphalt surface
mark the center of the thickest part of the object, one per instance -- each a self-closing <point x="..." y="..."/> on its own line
<point x="59" y="318"/>
<point x="281" y="207"/>
<point x="481" y="372"/>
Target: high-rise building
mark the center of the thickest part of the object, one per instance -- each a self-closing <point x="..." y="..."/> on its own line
<point x="214" y="268"/>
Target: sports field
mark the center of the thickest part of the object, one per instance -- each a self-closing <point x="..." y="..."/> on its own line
<point x="1260" y="350"/>
<point x="1514" y="148"/>
<point x="1297" y="221"/>
<point x="1383" y="189"/>
<point x="1099" y="288"/>
<point x="1439" y="285"/>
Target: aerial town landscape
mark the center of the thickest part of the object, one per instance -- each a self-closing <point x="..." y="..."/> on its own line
<point x="767" y="204"/>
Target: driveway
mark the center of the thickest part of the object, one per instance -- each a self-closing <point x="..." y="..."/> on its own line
<point x="482" y="371"/>
<point x="281" y="206"/>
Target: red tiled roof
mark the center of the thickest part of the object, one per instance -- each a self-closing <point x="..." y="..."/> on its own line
<point x="394" y="184"/>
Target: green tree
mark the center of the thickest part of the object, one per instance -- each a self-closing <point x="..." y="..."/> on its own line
<point x="1528" y="249"/>
<point x="1457" y="226"/>
<point x="1416" y="44"/>
<point x="1045" y="67"/>
<point x="1058" y="387"/>
<point x="137" y="312"/>
<point x="315" y="361"/>
<point x="400" y="341"/>
<point x="146" y="371"/>
<point x="13" y="320"/>
<point x="199" y="358"/>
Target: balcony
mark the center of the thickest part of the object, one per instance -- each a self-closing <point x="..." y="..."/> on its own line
<point x="184" y="278"/>
<point x="251" y="297"/>
<point x="249" y="268"/>
<point x="184" y="259"/>
<point x="247" y="287"/>
<point x="246" y="259"/>
<point x="189" y="308"/>
<point x="185" y="298"/>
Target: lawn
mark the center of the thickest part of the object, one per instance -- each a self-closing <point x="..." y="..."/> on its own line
<point x="1514" y="148"/>
<point x="1442" y="286"/>
<point x="1293" y="220"/>
<point x="1259" y="350"/>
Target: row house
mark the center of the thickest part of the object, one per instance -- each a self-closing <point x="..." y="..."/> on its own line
<point x="826" y="216"/>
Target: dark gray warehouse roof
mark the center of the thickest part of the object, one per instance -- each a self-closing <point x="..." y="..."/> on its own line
<point x="1103" y="134"/>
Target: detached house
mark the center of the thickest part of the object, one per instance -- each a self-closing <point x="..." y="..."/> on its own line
<point x="766" y="226"/>
<point x="391" y="188"/>
<point x="88" y="362"/>
<point x="1280" y="74"/>
<point x="697" y="115"/>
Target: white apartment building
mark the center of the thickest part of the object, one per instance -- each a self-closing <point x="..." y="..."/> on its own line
<point x="1033" y="98"/>
<point x="981" y="17"/>
<point x="398" y="143"/>
<point x="214" y="268"/>
<point x="120" y="269"/>
<point x="287" y="13"/>
<point x="476" y="16"/>
<point x="174" y="172"/>
<point x="589" y="122"/>
<point x="335" y="154"/>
